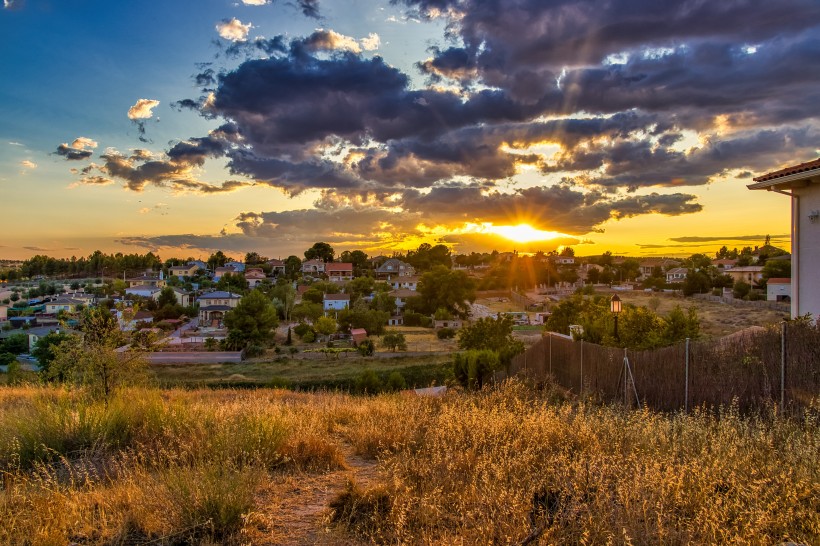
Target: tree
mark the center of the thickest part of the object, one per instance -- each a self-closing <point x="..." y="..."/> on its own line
<point x="321" y="251"/>
<point x="292" y="266"/>
<point x="44" y="351"/>
<point x="15" y="344"/>
<point x="474" y="368"/>
<point x="217" y="259"/>
<point x="777" y="269"/>
<point x="492" y="334"/>
<point x="325" y="326"/>
<point x="696" y="282"/>
<point x="253" y="320"/>
<point x="357" y="258"/>
<point x="253" y="258"/>
<point x="443" y="288"/>
<point x="97" y="361"/>
<point x="233" y="282"/>
<point x="166" y="297"/>
<point x="394" y="341"/>
<point x="427" y="257"/>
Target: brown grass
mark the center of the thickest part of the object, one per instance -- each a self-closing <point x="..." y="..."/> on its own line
<point x="226" y="467"/>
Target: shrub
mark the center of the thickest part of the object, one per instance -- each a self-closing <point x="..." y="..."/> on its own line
<point x="396" y="382"/>
<point x="394" y="341"/>
<point x="446" y="333"/>
<point x="366" y="348"/>
<point x="309" y="337"/>
<point x="301" y="329"/>
<point x="368" y="382"/>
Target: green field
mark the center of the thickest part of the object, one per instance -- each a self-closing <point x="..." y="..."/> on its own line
<point x="306" y="374"/>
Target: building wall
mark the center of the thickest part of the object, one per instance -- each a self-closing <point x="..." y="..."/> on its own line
<point x="807" y="264"/>
<point x="773" y="290"/>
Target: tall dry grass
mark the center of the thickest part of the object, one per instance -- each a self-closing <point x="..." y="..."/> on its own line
<point x="180" y="467"/>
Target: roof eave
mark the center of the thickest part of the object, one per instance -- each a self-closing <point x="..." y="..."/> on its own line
<point x="791" y="180"/>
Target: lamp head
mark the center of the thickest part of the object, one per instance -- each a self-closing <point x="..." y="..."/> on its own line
<point x="615" y="304"/>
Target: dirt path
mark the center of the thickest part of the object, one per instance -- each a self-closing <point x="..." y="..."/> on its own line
<point x="293" y="509"/>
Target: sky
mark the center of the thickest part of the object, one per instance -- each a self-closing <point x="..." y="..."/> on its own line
<point x="183" y="127"/>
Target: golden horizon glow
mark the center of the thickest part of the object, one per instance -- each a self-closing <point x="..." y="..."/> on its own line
<point x="522" y="233"/>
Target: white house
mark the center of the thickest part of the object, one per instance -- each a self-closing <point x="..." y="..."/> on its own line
<point x="779" y="289"/>
<point x="313" y="266"/>
<point x="676" y="274"/>
<point x="802" y="184"/>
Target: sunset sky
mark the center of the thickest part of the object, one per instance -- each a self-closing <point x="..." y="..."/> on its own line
<point x="184" y="127"/>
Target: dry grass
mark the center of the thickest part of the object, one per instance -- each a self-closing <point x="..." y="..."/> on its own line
<point x="201" y="466"/>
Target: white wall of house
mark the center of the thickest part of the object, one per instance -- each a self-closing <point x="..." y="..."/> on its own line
<point x="778" y="291"/>
<point x="806" y="257"/>
<point x="337" y="305"/>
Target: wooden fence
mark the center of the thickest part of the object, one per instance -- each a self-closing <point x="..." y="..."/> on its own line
<point x="753" y="368"/>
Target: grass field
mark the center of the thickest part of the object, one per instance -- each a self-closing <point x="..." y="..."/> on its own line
<point x="270" y="467"/>
<point x="418" y="371"/>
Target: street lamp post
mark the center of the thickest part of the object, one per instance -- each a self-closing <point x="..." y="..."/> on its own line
<point x="615" y="307"/>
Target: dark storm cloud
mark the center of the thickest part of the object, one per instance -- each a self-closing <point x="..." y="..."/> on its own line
<point x="640" y="163"/>
<point x="559" y="208"/>
<point x="73" y="154"/>
<point x="560" y="33"/>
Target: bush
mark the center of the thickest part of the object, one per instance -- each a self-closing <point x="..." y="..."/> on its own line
<point x="417" y="319"/>
<point x="254" y="350"/>
<point x="301" y="329"/>
<point x="394" y="341"/>
<point x="396" y="382"/>
<point x="446" y="333"/>
<point x="366" y="348"/>
<point x="368" y="383"/>
<point x="309" y="337"/>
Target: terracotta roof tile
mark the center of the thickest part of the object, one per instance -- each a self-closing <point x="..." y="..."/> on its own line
<point x="808" y="166"/>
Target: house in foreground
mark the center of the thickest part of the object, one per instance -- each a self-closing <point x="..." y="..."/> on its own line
<point x="214" y="305"/>
<point x="801" y="183"/>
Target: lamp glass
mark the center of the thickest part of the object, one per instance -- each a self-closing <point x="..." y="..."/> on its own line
<point x="615" y="304"/>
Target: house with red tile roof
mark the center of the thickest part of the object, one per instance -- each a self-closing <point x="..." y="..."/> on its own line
<point x="801" y="183"/>
<point x="339" y="272"/>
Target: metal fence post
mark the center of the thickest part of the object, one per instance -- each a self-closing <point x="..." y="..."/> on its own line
<point x="782" y="366"/>
<point x="626" y="381"/>
<point x="686" y="381"/>
<point x="550" y="353"/>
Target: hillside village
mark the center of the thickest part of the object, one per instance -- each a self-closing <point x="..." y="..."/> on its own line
<point x="186" y="304"/>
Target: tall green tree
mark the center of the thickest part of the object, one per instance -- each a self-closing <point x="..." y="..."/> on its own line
<point x="491" y="334"/>
<point x="253" y="320"/>
<point x="443" y="288"/>
<point x="321" y="251"/>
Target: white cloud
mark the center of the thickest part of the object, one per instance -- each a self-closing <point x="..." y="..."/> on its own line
<point x="143" y="109"/>
<point x="233" y="30"/>
<point x="82" y="143"/>
<point x="255" y="2"/>
<point x="26" y="164"/>
<point x="13" y="143"/>
<point x="372" y="42"/>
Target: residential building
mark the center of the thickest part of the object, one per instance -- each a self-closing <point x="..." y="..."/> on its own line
<point x="277" y="267"/>
<point x="239" y="267"/>
<point x="4" y="313"/>
<point x="35" y="333"/>
<point x="779" y="289"/>
<point x="453" y="323"/>
<point x="183" y="270"/>
<point x="394" y="268"/>
<point x="144" y="291"/>
<point x="724" y="264"/>
<point x="313" y="266"/>
<point x="802" y="184"/>
<point x="750" y="274"/>
<point x="220" y="272"/>
<point x="183" y="297"/>
<point x="358" y="335"/>
<point x="214" y="305"/>
<point x="410" y="283"/>
<point x="335" y="302"/>
<point x="648" y="265"/>
<point x="339" y="272"/>
<point x="147" y="280"/>
<point x="254" y="275"/>
<point x="401" y="296"/>
<point x="67" y="304"/>
<point x="676" y="275"/>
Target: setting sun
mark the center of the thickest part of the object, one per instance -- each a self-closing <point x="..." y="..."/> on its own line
<point x="523" y="233"/>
